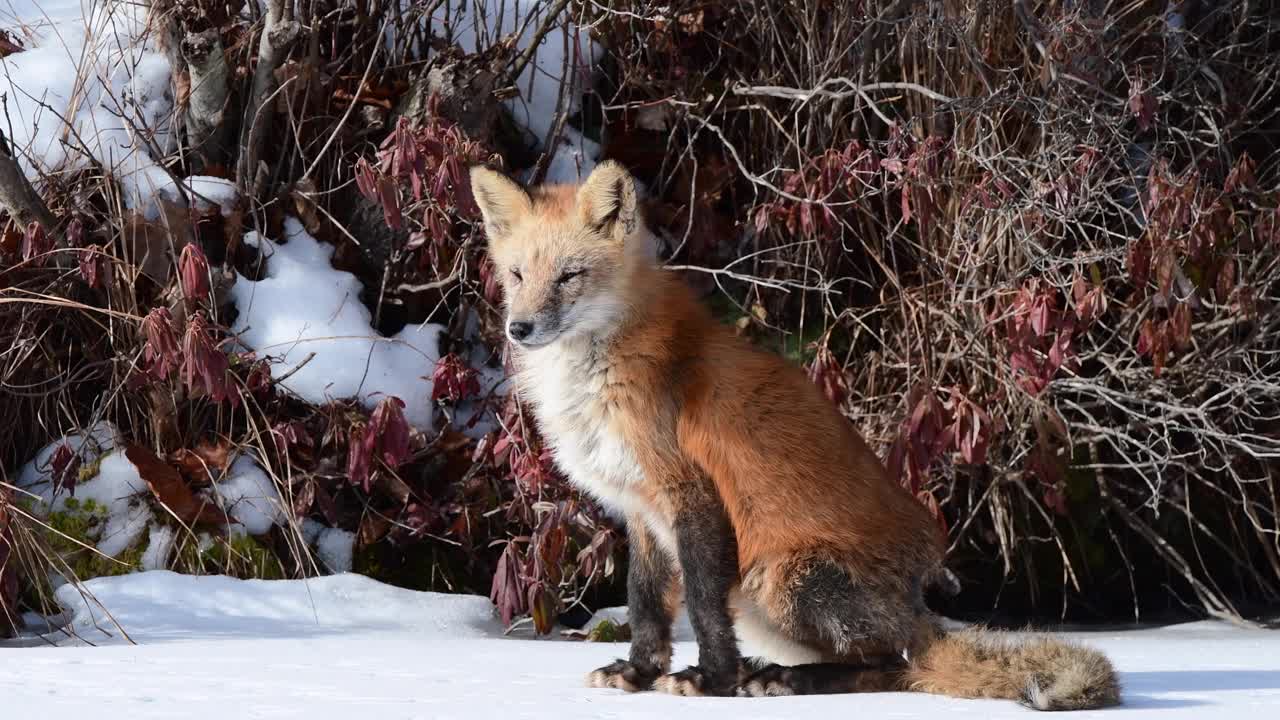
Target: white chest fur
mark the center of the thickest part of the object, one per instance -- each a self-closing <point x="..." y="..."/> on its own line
<point x="567" y="385"/>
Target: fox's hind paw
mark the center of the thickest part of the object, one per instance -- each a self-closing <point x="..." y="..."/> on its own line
<point x="772" y="681"/>
<point x="623" y="675"/>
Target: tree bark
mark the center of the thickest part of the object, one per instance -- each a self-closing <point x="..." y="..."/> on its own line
<point x="17" y="196"/>
<point x="279" y="33"/>
<point x="207" y="103"/>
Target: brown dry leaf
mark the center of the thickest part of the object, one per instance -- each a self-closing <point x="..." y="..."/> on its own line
<point x="295" y="78"/>
<point x="692" y="22"/>
<point x="11" y="240"/>
<point x="395" y="487"/>
<point x="457" y="450"/>
<point x="543" y="607"/>
<point x="305" y="208"/>
<point x="152" y="245"/>
<point x="204" y="462"/>
<point x="182" y="87"/>
<point x="304" y="499"/>
<point x="167" y="485"/>
<point x="233" y="231"/>
<point x="372" y="529"/>
<point x="275" y="213"/>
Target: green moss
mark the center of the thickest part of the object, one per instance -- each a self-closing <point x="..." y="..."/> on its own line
<point x="800" y="348"/>
<point x="72" y="533"/>
<point x="89" y="470"/>
<point x="239" y="556"/>
<point x="610" y="631"/>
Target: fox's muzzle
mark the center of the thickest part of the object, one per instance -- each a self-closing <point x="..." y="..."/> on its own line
<point x="533" y="331"/>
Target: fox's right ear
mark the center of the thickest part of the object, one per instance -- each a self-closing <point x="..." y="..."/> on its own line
<point x="502" y="201"/>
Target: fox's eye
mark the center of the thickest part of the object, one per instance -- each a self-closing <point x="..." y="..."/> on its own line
<point x="515" y="272"/>
<point x="569" y="275"/>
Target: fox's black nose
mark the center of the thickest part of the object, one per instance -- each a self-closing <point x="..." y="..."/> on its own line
<point x="519" y="330"/>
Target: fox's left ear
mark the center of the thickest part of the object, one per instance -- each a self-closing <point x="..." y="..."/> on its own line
<point x="607" y="200"/>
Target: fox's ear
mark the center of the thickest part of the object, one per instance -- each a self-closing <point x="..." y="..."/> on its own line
<point x="502" y="201"/>
<point x="607" y="200"/>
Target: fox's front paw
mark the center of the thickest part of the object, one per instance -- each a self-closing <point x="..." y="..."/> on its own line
<point x="694" y="681"/>
<point x="624" y="675"/>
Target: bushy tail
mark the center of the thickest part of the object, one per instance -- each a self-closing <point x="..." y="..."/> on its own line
<point x="1043" y="673"/>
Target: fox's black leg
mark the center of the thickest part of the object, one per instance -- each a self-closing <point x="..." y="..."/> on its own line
<point x="821" y="679"/>
<point x="749" y="666"/>
<point x="709" y="560"/>
<point x="650" y="573"/>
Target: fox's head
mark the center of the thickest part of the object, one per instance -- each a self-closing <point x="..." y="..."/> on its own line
<point x="564" y="253"/>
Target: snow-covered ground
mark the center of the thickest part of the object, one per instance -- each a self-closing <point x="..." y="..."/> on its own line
<point x="347" y="647"/>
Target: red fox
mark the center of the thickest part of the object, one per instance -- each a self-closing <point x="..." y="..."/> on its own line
<point x="743" y="488"/>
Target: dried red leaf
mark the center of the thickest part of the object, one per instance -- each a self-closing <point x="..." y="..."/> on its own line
<point x="35" y="242"/>
<point x="389" y="200"/>
<point x="391" y="430"/>
<point x="1059" y="352"/>
<point x="1180" y="325"/>
<point x="291" y="434"/>
<point x="204" y="365"/>
<point x="826" y="373"/>
<point x="930" y="502"/>
<point x="385" y="437"/>
<point x="1055" y="500"/>
<point x="507" y="591"/>
<point x="193" y="269"/>
<point x="1153" y="340"/>
<point x="94" y="269"/>
<point x="596" y="555"/>
<point x="366" y="180"/>
<point x="418" y="517"/>
<point x="1040" y="314"/>
<point x="1165" y="265"/>
<point x="1226" y="281"/>
<point x="1241" y="176"/>
<point x="1137" y="262"/>
<point x="64" y="468"/>
<point x="160" y="355"/>
<point x="359" y="458"/>
<point x="971" y="427"/>
<point x="1142" y="103"/>
<point x="258" y="380"/>
<point x="1146" y="338"/>
<point x="454" y="380"/>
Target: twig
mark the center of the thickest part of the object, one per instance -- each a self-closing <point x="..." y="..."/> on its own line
<point x="821" y="90"/>
<point x="553" y="16"/>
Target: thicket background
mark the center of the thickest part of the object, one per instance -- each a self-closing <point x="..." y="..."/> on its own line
<point x="1031" y="249"/>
